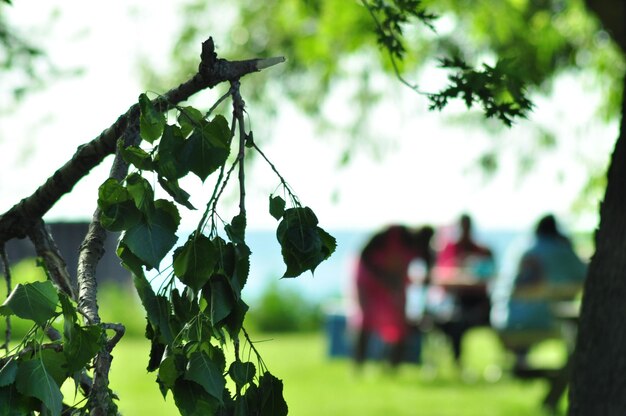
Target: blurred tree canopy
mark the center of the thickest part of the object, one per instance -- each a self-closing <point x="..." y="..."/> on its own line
<point x="327" y="42"/>
<point x="17" y="60"/>
<point x="330" y="44"/>
<point x="24" y="66"/>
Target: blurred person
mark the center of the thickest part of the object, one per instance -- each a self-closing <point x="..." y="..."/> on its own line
<point x="382" y="277"/>
<point x="420" y="277"/>
<point x="463" y="269"/>
<point x="547" y="271"/>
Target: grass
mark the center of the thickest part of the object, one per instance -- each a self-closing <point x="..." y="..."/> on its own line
<point x="318" y="385"/>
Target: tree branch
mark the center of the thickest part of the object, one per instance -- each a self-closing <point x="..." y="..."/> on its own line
<point x="56" y="269"/>
<point x="7" y="278"/>
<point x="238" y="110"/>
<point x="119" y="330"/>
<point x="16" y="222"/>
<point x="91" y="251"/>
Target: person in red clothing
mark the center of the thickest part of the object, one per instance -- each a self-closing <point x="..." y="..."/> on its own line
<point x="381" y="282"/>
<point x="469" y="264"/>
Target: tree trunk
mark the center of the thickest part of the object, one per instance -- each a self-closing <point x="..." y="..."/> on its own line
<point x="598" y="385"/>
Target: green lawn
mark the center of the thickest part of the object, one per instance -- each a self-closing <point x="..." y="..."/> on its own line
<point x="317" y="385"/>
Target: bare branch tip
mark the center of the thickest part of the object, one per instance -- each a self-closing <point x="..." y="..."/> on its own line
<point x="267" y="62"/>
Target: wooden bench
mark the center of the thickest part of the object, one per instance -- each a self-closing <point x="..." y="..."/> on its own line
<point x="558" y="378"/>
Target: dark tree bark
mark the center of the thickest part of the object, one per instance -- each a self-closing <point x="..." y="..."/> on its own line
<point x="598" y="384"/>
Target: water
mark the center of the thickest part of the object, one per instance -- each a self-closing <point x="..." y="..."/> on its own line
<point x="333" y="278"/>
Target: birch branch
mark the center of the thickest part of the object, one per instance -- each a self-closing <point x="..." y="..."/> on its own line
<point x="47" y="250"/>
<point x="16" y="222"/>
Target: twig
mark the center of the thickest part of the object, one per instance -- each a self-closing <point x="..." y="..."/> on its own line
<point x="56" y="347"/>
<point x="262" y="365"/>
<point x="7" y="278"/>
<point x="238" y="108"/>
<point x="283" y="182"/>
<point x="215" y="200"/>
<point x="394" y="63"/>
<point x="119" y="329"/>
<point x="218" y="102"/>
<point x="209" y="205"/>
<point x="55" y="266"/>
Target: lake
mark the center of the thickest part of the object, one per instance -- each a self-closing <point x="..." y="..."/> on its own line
<point x="332" y="278"/>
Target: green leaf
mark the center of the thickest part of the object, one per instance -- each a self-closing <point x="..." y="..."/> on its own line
<point x="137" y="157"/>
<point x="202" y="370"/>
<point x="15" y="404"/>
<point x="241" y="270"/>
<point x="69" y="315"/>
<point x="55" y="364"/>
<point x="192" y="400"/>
<point x="198" y="331"/>
<point x="219" y="297"/>
<point x="329" y="243"/>
<point x="242" y="407"/>
<point x="236" y="230"/>
<point x="226" y="261"/>
<point x="8" y="373"/>
<point x="36" y="301"/>
<point x="242" y="373"/>
<point x="208" y="147"/>
<point x="120" y="217"/>
<point x="151" y="122"/>
<point x="171" y="162"/>
<point x="185" y="306"/>
<point x="251" y="398"/>
<point x="141" y="192"/>
<point x="117" y="209"/>
<point x="151" y="239"/>
<point x="277" y="207"/>
<point x="33" y="380"/>
<point x="164" y="310"/>
<point x="175" y="191"/>
<point x="157" y="309"/>
<point x="190" y="118"/>
<point x="157" y="349"/>
<point x="172" y="368"/>
<point x="271" y="396"/>
<point x="82" y="345"/>
<point x="131" y="262"/>
<point x="112" y="192"/>
<point x="195" y="261"/>
<point x="234" y="321"/>
<point x="304" y="245"/>
<point x="171" y="210"/>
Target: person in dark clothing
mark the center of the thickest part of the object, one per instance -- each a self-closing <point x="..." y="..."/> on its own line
<point x="472" y="263"/>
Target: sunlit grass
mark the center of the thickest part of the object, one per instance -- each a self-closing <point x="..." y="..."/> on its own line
<point x="318" y="385"/>
<point x="138" y="392"/>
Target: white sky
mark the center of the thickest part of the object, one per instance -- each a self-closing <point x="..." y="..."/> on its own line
<point x="425" y="180"/>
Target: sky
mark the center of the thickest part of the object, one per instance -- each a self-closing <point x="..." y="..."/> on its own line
<point x="428" y="175"/>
